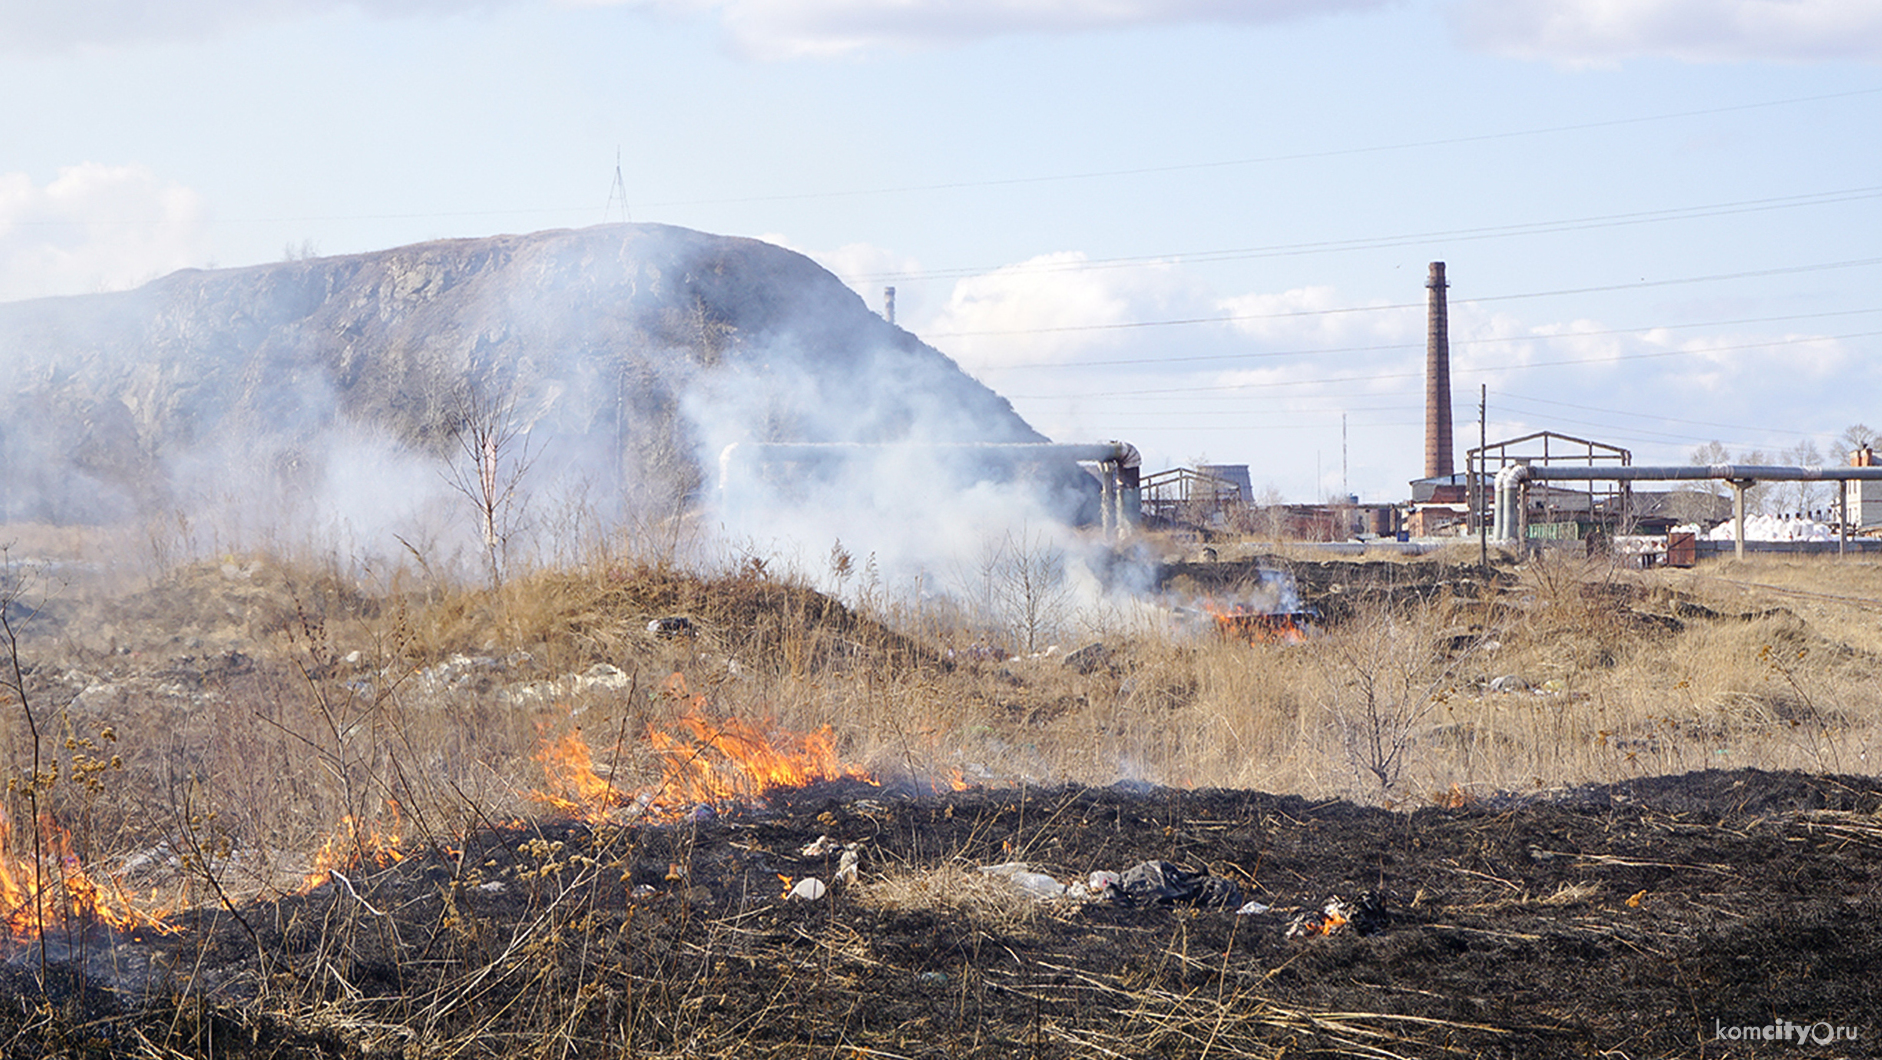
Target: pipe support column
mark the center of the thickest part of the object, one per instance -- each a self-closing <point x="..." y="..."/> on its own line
<point x="1738" y="515"/>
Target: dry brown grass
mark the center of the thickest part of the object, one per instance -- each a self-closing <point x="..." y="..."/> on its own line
<point x="985" y="898"/>
<point x="256" y="702"/>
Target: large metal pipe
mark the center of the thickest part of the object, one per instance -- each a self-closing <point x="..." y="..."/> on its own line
<point x="1512" y="482"/>
<point x="1687" y="472"/>
<point x="1011" y="452"/>
<point x="1120" y="464"/>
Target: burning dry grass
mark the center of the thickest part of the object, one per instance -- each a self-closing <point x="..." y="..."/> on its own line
<point x="312" y="702"/>
<point x="280" y="728"/>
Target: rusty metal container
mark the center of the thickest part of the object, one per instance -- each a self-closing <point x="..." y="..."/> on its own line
<point x="1682" y="549"/>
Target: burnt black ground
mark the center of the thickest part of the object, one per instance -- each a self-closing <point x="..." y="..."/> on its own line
<point x="1637" y="920"/>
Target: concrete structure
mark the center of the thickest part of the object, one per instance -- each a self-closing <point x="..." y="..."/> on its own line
<point x="1862" y="498"/>
<point x="1235" y="475"/>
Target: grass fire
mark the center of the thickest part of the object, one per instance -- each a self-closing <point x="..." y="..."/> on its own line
<point x="631" y="807"/>
<point x="704" y="763"/>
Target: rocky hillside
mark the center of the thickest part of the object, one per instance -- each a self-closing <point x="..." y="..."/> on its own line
<point x="632" y="353"/>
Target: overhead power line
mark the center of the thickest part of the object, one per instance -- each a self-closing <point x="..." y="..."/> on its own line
<point x="1656" y="417"/>
<point x="1499" y="339"/>
<point x="1682" y="213"/>
<point x="1047" y="178"/>
<point x="1297" y="156"/>
<point x="1230" y="318"/>
<point x="1374" y="376"/>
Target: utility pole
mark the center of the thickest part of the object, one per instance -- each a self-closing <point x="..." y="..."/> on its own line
<point x="1476" y="474"/>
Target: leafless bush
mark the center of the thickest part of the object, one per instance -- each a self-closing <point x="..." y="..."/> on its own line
<point x="1386" y="671"/>
<point x="494" y="458"/>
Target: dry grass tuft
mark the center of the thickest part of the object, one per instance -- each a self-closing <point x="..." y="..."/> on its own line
<point x="981" y="897"/>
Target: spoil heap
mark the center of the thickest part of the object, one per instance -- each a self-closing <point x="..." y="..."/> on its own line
<point x="629" y="351"/>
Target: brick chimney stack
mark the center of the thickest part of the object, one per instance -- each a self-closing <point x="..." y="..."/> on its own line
<point x="1438" y="447"/>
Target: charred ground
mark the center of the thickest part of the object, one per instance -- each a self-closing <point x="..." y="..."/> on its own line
<point x="1619" y="912"/>
<point x="1637" y="917"/>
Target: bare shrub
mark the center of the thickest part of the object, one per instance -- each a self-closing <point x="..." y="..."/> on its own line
<point x="494" y="458"/>
<point x="1386" y="671"/>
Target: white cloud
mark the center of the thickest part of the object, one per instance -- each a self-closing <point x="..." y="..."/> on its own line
<point x="769" y="28"/>
<point x="1603" y="31"/>
<point x="1278" y="387"/>
<point x="92" y="228"/>
<point x="57" y="25"/>
<point x="1048" y="308"/>
<point x="789" y="28"/>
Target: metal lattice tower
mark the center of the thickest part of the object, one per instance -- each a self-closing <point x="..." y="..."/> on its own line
<point x="617" y="193"/>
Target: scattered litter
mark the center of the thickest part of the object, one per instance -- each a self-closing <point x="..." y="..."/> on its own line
<point x="492" y="887"/>
<point x="1327" y="920"/>
<point x="643" y="890"/>
<point x="1100" y="880"/>
<point x="932" y="978"/>
<point x="808" y="889"/>
<point x="1162" y="883"/>
<point x="847" y="864"/>
<point x="1253" y="908"/>
<point x="1037" y="884"/>
<point x="1368" y="916"/>
<point x="823" y="845"/>
<point x="1509" y="683"/>
<point x="670" y="627"/>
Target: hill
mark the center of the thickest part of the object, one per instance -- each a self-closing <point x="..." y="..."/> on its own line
<point x="631" y="353"/>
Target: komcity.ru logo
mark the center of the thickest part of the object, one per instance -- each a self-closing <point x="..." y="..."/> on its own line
<point x="1822" y="1032"/>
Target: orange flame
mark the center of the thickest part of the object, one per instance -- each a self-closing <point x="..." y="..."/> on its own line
<point x="1325" y="924"/>
<point x="1238" y="622"/>
<point x="1333" y="916"/>
<point x="59" y="893"/>
<point x="576" y="787"/>
<point x="704" y="760"/>
<point x="355" y="844"/>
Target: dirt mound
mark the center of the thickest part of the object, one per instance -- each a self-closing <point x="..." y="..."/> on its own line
<point x="1657" y="918"/>
<point x="659" y="616"/>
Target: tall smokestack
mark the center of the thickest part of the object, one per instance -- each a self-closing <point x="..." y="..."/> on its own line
<point x="1438" y="454"/>
<point x="888" y="304"/>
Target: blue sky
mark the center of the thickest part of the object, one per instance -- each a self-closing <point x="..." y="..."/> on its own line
<point x="1184" y="224"/>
